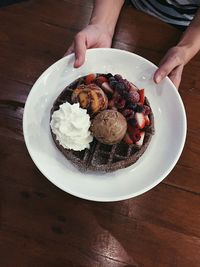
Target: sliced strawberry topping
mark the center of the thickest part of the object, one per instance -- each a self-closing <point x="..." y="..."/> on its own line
<point x="140" y="118"/>
<point x="90" y="78"/>
<point x="134" y="133"/>
<point x="142" y="96"/>
<point x="127" y="139"/>
<point x="147" y="120"/>
<point x="101" y="79"/>
<point x="141" y="140"/>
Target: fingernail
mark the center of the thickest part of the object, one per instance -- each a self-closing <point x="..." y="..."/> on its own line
<point x="76" y="63"/>
<point x="158" y="78"/>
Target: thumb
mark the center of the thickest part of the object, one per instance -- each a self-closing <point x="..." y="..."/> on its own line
<point x="80" y="49"/>
<point x="164" y="69"/>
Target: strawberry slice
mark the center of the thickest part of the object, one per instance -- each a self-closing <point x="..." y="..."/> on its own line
<point x="142" y="96"/>
<point x="140" y="118"/>
<point x="90" y="78"/>
<point x="127" y="139"/>
<point x="101" y="79"/>
<point x="147" y="120"/>
<point x="140" y="142"/>
<point x="128" y="113"/>
<point x="106" y="88"/>
<point x="134" y="133"/>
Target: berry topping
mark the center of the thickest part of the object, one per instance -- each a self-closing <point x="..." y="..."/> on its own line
<point x="147" y="110"/>
<point x="125" y="95"/>
<point x="127" y="84"/>
<point x="140" y="108"/>
<point x="90" y="78"/>
<point x="128" y="113"/>
<point x="137" y="137"/>
<point x="111" y="79"/>
<point x="142" y="96"/>
<point x="147" y="120"/>
<point x="141" y="140"/>
<point x="118" y="77"/>
<point x="127" y="139"/>
<point x="108" y="75"/>
<point x="134" y="96"/>
<point x="101" y="79"/>
<point x="113" y="84"/>
<point x="132" y="122"/>
<point x="132" y="106"/>
<point x="120" y="87"/>
<point x="140" y="118"/>
<point x="134" y="133"/>
<point x="120" y="103"/>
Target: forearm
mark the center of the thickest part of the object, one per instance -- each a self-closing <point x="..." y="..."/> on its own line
<point x="190" y="40"/>
<point x="106" y="13"/>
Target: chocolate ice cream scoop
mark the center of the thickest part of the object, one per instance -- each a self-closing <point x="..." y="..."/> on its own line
<point x="109" y="127"/>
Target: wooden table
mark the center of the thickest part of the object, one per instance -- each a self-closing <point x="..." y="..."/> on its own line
<point x="40" y="225"/>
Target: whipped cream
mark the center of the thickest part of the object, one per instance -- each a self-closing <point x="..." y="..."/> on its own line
<point x="71" y="126"/>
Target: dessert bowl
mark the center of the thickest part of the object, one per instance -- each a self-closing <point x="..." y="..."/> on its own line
<point x="154" y="165"/>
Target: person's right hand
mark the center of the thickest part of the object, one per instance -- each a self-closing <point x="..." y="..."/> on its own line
<point x="93" y="36"/>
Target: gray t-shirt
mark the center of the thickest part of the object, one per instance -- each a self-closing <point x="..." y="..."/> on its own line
<point x="179" y="12"/>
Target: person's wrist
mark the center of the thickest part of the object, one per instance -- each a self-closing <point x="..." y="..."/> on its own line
<point x="103" y="26"/>
<point x="183" y="53"/>
<point x="188" y="50"/>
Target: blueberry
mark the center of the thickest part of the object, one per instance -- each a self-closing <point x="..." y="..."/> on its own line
<point x="109" y="75"/>
<point x="111" y="79"/>
<point x="125" y="94"/>
<point x="134" y="96"/>
<point x="127" y="84"/>
<point x="132" y="122"/>
<point x="140" y="109"/>
<point x="118" y="77"/>
<point x="113" y="84"/>
<point x="98" y="82"/>
<point x="120" y="87"/>
<point x="132" y="106"/>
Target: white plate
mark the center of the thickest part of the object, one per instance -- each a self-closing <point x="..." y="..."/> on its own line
<point x="156" y="163"/>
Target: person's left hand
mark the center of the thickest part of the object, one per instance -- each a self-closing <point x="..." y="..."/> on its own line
<point x="172" y="66"/>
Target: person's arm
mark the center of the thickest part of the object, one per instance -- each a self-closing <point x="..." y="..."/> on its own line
<point x="177" y="57"/>
<point x="100" y="30"/>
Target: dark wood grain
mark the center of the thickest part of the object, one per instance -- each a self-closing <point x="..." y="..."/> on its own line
<point x="40" y="225"/>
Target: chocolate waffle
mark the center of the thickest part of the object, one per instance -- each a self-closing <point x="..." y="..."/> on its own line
<point x="101" y="157"/>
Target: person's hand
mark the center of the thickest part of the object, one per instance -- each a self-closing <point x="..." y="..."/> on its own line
<point x="93" y="36"/>
<point x="172" y="66"/>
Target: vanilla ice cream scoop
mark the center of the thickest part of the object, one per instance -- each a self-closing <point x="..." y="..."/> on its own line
<point x="109" y="127"/>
